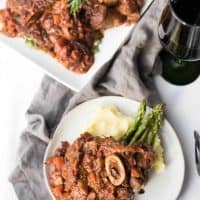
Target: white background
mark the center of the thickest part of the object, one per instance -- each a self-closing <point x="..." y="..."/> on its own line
<point x="20" y="79"/>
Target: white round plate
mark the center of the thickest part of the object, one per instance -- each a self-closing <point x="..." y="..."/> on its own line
<point x="165" y="186"/>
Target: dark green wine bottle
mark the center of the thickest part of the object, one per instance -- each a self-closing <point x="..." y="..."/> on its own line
<point x="178" y="72"/>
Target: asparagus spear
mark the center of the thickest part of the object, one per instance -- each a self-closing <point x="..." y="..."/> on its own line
<point x="142" y="128"/>
<point x="146" y="123"/>
<point x="136" y="122"/>
<point x="155" y="129"/>
<point x="143" y="138"/>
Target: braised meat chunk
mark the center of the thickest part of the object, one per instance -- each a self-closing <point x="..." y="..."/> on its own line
<point x="96" y="14"/>
<point x="26" y="10"/>
<point x="94" y="168"/>
<point x="130" y="9"/>
<point x="7" y="24"/>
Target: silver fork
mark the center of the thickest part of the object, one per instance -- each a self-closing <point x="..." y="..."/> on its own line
<point x="197" y="150"/>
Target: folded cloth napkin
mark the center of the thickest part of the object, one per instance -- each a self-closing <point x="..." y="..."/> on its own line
<point x="129" y="74"/>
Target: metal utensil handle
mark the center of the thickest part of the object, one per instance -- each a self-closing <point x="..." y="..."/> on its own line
<point x="197" y="150"/>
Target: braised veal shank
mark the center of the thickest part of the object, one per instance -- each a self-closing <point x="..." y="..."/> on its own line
<point x="94" y="168"/>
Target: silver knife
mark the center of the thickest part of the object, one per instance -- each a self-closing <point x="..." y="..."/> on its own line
<point x="197" y="150"/>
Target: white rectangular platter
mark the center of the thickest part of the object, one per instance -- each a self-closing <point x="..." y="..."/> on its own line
<point x="112" y="41"/>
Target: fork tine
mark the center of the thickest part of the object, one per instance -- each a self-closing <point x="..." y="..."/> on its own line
<point x="197" y="150"/>
<point x="197" y="138"/>
<point x="196" y="154"/>
<point x="196" y="134"/>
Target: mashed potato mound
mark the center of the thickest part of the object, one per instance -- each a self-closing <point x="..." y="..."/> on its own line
<point x="109" y="121"/>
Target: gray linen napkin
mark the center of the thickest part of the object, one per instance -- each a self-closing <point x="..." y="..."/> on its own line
<point x="129" y="74"/>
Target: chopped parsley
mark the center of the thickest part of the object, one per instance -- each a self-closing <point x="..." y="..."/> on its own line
<point x="75" y="6"/>
<point x="30" y="43"/>
<point x="97" y="42"/>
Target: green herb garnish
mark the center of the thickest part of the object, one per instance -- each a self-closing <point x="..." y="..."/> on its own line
<point x="75" y="6"/>
<point x="96" y="45"/>
<point x="30" y="43"/>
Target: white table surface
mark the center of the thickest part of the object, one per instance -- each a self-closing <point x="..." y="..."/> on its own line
<point x="20" y="79"/>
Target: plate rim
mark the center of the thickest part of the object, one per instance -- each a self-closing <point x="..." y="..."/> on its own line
<point x="56" y="132"/>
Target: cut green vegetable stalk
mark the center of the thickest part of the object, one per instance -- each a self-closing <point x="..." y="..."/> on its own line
<point x="145" y="129"/>
<point x="157" y="124"/>
<point x="136" y="122"/>
<point x="143" y="138"/>
<point x="148" y="124"/>
<point x="142" y="127"/>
